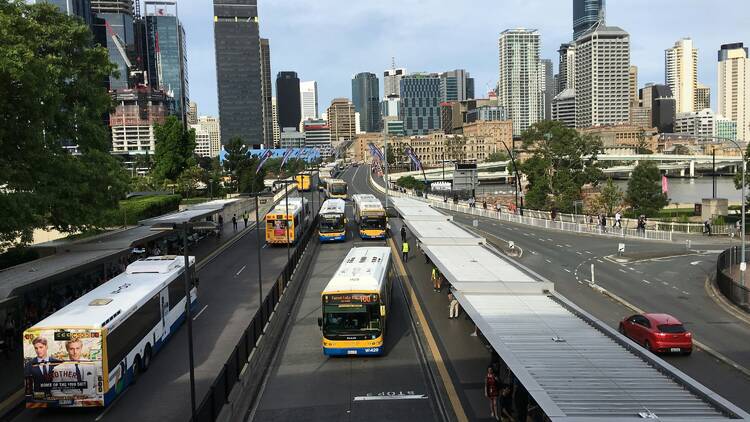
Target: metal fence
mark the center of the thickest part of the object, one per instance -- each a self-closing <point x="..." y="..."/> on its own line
<point x="734" y="291"/>
<point x="218" y="394"/>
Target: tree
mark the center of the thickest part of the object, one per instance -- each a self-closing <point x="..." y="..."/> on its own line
<point x="642" y="147"/>
<point x="51" y="95"/>
<point x="644" y="189"/>
<point x="562" y="162"/>
<point x="189" y="180"/>
<point x="497" y="156"/>
<point x="609" y="199"/>
<point x="174" y="149"/>
<point x="241" y="168"/>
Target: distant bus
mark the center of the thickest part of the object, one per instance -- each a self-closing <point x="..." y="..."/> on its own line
<point x="336" y="188"/>
<point x="88" y="352"/>
<point x="303" y="182"/>
<point x="278" y="222"/>
<point x="370" y="216"/>
<point x="356" y="302"/>
<point x="332" y="226"/>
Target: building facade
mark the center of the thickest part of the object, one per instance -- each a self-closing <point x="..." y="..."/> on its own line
<point x="269" y="119"/>
<point x="586" y="13"/>
<point x="564" y="107"/>
<point x="392" y="82"/>
<point x="548" y="86"/>
<point x="207" y="136"/>
<point x="318" y="136"/>
<point x="341" y="120"/>
<point x="113" y="24"/>
<point x="681" y="73"/>
<point x="291" y="138"/>
<point x="192" y="113"/>
<point x="237" y="46"/>
<point x="80" y="8"/>
<point x="695" y="123"/>
<point x="567" y="67"/>
<point x="497" y="132"/>
<point x="625" y="136"/>
<point x="521" y="85"/>
<point x="662" y="105"/>
<point x="308" y="94"/>
<point x="602" y="77"/>
<point x="134" y="116"/>
<point x="733" y="97"/>
<point x="702" y="97"/>
<point x="288" y="104"/>
<point x="456" y="85"/>
<point x="276" y="131"/>
<point x="420" y="103"/>
<point x="366" y="100"/>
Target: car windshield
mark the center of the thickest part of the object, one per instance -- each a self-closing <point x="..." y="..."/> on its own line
<point x="331" y="223"/>
<point x="671" y="328"/>
<point x="351" y="319"/>
<point x="369" y="223"/>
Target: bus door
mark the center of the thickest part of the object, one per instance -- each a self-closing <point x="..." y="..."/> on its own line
<point x="164" y="301"/>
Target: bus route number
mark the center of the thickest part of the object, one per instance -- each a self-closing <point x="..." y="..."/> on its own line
<point x="391" y="394"/>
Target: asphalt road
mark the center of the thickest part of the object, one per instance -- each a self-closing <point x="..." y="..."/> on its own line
<point x="228" y="296"/>
<point x="306" y="385"/>
<point x="674" y="285"/>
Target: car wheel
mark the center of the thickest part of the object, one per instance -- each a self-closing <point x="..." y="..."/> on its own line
<point x="647" y="345"/>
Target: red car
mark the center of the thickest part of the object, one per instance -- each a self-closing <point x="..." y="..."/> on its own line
<point x="658" y="333"/>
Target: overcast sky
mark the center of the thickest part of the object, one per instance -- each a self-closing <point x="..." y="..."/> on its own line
<point x="331" y="40"/>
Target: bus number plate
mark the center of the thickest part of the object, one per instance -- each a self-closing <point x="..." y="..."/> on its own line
<point x="351" y="352"/>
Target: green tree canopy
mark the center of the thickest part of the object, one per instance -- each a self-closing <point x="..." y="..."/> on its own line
<point x="610" y="198"/>
<point x="241" y="168"/>
<point x="174" y="149"/>
<point x="644" y="189"/>
<point x="497" y="156"/>
<point x="561" y="163"/>
<point x="51" y="94"/>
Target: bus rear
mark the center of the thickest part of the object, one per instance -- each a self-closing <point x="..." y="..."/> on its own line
<point x="303" y="182"/>
<point x="278" y="227"/>
<point x="353" y="324"/>
<point x="337" y="188"/>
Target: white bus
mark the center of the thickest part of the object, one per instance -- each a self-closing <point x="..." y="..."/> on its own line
<point x="277" y="221"/>
<point x="355" y="303"/>
<point x="88" y="352"/>
<point x="332" y="225"/>
<point x="370" y="215"/>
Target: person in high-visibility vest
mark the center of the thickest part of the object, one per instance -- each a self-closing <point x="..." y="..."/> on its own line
<point x="435" y="279"/>
<point x="405" y="251"/>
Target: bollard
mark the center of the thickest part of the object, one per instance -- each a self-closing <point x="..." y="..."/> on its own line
<point x="620" y="249"/>
<point x="593" y="280"/>
<point x="475" y="223"/>
<point x="512" y="245"/>
<point x="687" y="244"/>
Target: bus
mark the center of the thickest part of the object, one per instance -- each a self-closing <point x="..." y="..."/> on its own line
<point x="355" y="304"/>
<point x="277" y="220"/>
<point x="336" y="188"/>
<point x="303" y="182"/>
<point x="370" y="215"/>
<point x="88" y="352"/>
<point x="332" y="226"/>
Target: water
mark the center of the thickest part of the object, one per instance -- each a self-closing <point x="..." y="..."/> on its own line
<point x="692" y="191"/>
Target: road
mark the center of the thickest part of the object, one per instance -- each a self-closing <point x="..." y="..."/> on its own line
<point x="228" y="296"/>
<point x="306" y="385"/>
<point x="672" y="284"/>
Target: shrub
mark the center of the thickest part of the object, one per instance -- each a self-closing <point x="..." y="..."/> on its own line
<point x="140" y="208"/>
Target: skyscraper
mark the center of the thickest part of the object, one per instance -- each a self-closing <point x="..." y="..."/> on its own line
<point x="595" y="104"/>
<point x="702" y="97"/>
<point x="681" y="73"/>
<point x="166" y="55"/>
<point x="520" y="83"/>
<point x="309" y="99"/>
<point x="586" y="13"/>
<point x="392" y="82"/>
<point x="238" y="70"/>
<point x="456" y="85"/>
<point x="420" y="103"/>
<point x="192" y="113"/>
<point x="661" y="102"/>
<point x="366" y="100"/>
<point x="266" y="93"/>
<point x="548" y="86"/>
<point x="567" y="67"/>
<point x="275" y="124"/>
<point x="733" y="96"/>
<point x="80" y="8"/>
<point x="287" y="100"/>
<point x="341" y="121"/>
<point x="113" y="25"/>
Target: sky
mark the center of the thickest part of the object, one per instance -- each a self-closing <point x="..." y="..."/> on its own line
<point x="329" y="41"/>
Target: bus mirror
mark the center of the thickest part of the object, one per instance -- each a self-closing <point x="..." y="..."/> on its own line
<point x="382" y="311"/>
<point x="320" y="322"/>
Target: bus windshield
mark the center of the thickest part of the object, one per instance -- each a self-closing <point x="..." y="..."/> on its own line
<point x="351" y="319"/>
<point x="338" y="189"/>
<point x="371" y="223"/>
<point x="331" y="223"/>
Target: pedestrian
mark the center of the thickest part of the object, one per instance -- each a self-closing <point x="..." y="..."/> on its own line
<point x="498" y="207"/>
<point x="452" y="307"/>
<point x="484" y="204"/>
<point x="738" y="228"/>
<point x="403" y="233"/>
<point x="245" y="217"/>
<point x="491" y="391"/>
<point x="604" y="223"/>
<point x="618" y="220"/>
<point x="707" y="227"/>
<point x="553" y="214"/>
<point x="435" y="280"/>
<point x="405" y="251"/>
<point x="221" y="225"/>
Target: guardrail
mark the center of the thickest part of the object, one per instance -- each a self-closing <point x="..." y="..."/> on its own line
<point x="218" y="394"/>
<point x="734" y="291"/>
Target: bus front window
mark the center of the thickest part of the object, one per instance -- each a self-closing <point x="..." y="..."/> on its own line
<point x="330" y="224"/>
<point x="351" y="320"/>
<point x="338" y="189"/>
<point x="372" y="223"/>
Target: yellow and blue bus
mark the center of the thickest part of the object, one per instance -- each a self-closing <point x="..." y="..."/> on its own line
<point x="88" y="352"/>
<point x="336" y="188"/>
<point x="282" y="228"/>
<point x="332" y="226"/>
<point x="303" y="182"/>
<point x="370" y="215"/>
<point x="356" y="302"/>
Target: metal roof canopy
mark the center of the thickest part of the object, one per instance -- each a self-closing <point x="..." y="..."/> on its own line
<point x="579" y="369"/>
<point x="442" y="233"/>
<point x="414" y="210"/>
<point x="191" y="214"/>
<point x="476" y="269"/>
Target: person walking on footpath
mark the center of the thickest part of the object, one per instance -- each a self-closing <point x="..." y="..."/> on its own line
<point x="452" y="307"/>
<point x="618" y="220"/>
<point x="403" y="233"/>
<point x="234" y="222"/>
<point x="405" y="251"/>
<point x="491" y="391"/>
<point x="245" y="217"/>
<point x="221" y="225"/>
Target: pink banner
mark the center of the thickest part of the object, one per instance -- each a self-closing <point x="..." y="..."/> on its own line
<point x="664" y="185"/>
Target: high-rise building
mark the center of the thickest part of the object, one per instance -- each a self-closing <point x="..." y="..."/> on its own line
<point x="567" y="67"/>
<point x="420" y="103"/>
<point x="695" y="123"/>
<point x="288" y="103"/>
<point x="602" y="91"/>
<point x="291" y="138"/>
<point x="80" y="8"/>
<point x="564" y="107"/>
<point x="166" y="53"/>
<point x="276" y="131"/>
<point x="586" y="14"/>
<point x="633" y="84"/>
<point x="266" y="94"/>
<point x="392" y="81"/>
<point x="702" y="97"/>
<point x="207" y="136"/>
<point x="733" y="96"/>
<point x="112" y="6"/>
<point x="192" y="113"/>
<point x="318" y="136"/>
<point x="366" y="100"/>
<point x="133" y="118"/>
<point x="308" y="94"/>
<point x="725" y="128"/>
<point x="520" y="86"/>
<point x="114" y="30"/>
<point x="681" y="73"/>
<point x="237" y="46"/>
<point x="660" y="101"/>
<point x="341" y="119"/>
<point x="391" y="107"/>
<point x="548" y="86"/>
<point x="456" y="85"/>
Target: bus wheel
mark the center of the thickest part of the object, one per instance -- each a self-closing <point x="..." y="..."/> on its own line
<point x="136" y="369"/>
<point x="147" y="358"/>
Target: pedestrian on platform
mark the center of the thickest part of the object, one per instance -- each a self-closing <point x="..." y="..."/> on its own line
<point x="452" y="307"/>
<point x="405" y="251"/>
<point x="492" y="390"/>
<point x="245" y="217"/>
<point x="234" y="221"/>
<point x="435" y="279"/>
<point x="403" y="233"/>
<point x="221" y="226"/>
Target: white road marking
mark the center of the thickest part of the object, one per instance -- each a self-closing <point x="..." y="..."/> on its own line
<point x="570" y="246"/>
<point x="588" y="252"/>
<point x="559" y="245"/>
<point x="566" y="269"/>
<point x="579" y="253"/>
<point x="200" y="312"/>
<point x="600" y="261"/>
<point x="533" y="252"/>
<point x="665" y="283"/>
<point x="622" y="271"/>
<point x="646" y="281"/>
<point x="684" y="292"/>
<point x="264" y="246"/>
<point x="631" y="268"/>
<point x="394" y="397"/>
<point x="548" y="261"/>
<point x="549" y="239"/>
<point x="695" y="262"/>
<point x="241" y="270"/>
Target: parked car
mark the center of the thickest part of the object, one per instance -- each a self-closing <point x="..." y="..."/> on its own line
<point x="658" y="333"/>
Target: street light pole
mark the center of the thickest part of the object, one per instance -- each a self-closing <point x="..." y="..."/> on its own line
<point x="260" y="246"/>
<point x="385" y="155"/>
<point x="286" y="223"/>
<point x="189" y="318"/>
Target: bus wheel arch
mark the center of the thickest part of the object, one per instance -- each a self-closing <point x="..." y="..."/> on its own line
<point x="136" y="369"/>
<point x="147" y="355"/>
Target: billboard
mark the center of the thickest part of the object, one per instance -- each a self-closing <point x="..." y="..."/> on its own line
<point x="63" y="367"/>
